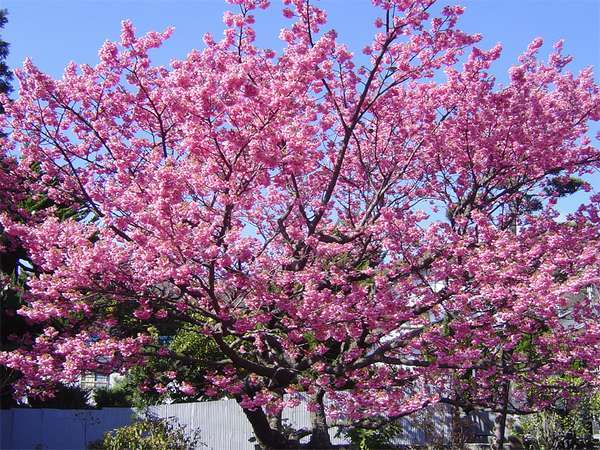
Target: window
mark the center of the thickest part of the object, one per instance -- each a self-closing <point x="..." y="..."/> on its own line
<point x="94" y="381"/>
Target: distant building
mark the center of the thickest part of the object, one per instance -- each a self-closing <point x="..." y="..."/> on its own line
<point x="92" y="381"/>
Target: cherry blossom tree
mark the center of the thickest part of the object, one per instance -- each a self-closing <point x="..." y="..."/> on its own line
<point x="356" y="235"/>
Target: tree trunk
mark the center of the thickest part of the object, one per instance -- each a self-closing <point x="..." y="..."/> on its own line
<point x="267" y="437"/>
<point x="270" y="436"/>
<point x="500" y="431"/>
<point x="275" y="421"/>
<point x="320" y="431"/>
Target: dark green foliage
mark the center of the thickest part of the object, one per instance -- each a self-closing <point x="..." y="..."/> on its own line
<point x="562" y="186"/>
<point x="65" y="397"/>
<point x="8" y="298"/>
<point x="184" y="342"/>
<point x="561" y="428"/>
<point x="13" y="327"/>
<point x="121" y="395"/>
<point x="5" y="73"/>
<point x="126" y="392"/>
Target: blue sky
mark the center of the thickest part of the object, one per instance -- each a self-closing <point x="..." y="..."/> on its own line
<point x="54" y="32"/>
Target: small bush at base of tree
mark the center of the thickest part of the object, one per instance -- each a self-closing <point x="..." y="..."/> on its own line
<point x="148" y="434"/>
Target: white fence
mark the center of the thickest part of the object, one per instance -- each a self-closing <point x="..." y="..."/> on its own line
<point x="222" y="425"/>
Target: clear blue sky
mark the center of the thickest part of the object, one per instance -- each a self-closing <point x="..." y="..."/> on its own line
<point x="54" y="32"/>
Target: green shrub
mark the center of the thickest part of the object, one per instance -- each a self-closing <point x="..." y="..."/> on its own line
<point x="117" y="397"/>
<point x="560" y="429"/>
<point x="377" y="439"/>
<point x="65" y="397"/>
<point x="148" y="434"/>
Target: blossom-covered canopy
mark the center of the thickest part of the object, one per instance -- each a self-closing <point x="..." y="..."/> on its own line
<point x="384" y="236"/>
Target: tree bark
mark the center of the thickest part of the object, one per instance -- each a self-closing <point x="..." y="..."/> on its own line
<point x="500" y="432"/>
<point x="267" y="437"/>
<point x="320" y="431"/>
<point x="275" y="421"/>
<point x="501" y="419"/>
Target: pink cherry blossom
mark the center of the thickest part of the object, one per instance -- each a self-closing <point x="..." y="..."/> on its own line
<point x="187" y="388"/>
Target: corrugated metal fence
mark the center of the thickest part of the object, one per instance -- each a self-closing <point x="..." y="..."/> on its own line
<point x="222" y="425"/>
